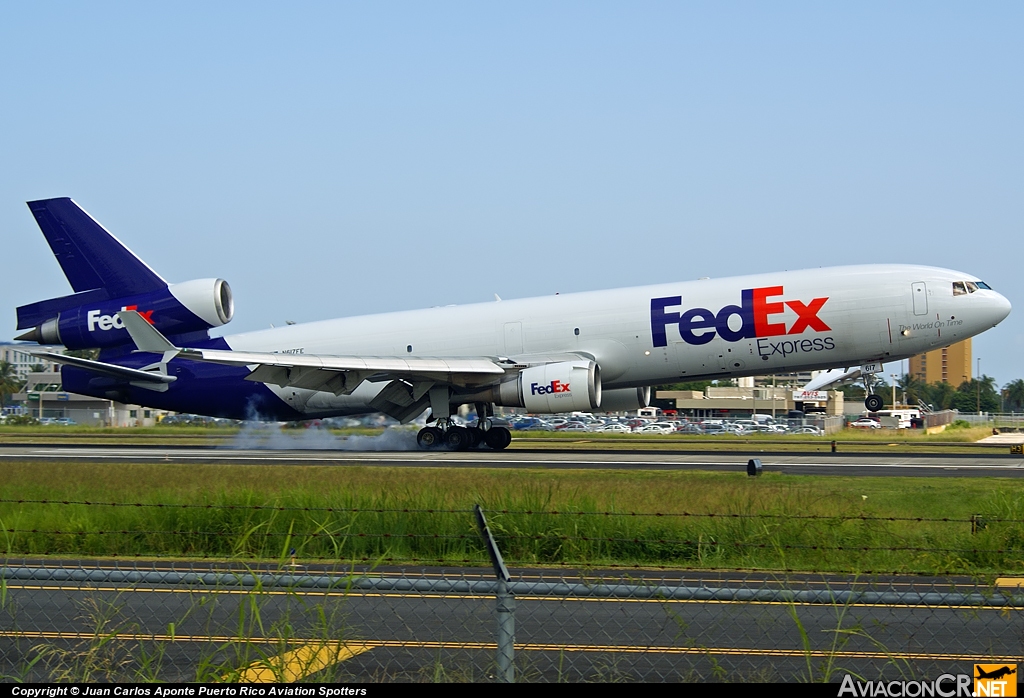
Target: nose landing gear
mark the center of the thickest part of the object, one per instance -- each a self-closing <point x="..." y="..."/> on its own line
<point x="873" y="402"/>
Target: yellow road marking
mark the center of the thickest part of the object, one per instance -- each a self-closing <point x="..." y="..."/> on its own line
<point x="386" y="595"/>
<point x="1010" y="582"/>
<point x="299" y="663"/>
<point x="527" y="647"/>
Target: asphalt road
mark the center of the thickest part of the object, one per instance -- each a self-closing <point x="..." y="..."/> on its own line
<point x="874" y="464"/>
<point x="185" y="632"/>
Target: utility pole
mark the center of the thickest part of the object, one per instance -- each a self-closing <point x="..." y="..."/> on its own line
<point x="773" y="397"/>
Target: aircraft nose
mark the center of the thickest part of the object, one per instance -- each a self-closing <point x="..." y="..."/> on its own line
<point x="997" y="308"/>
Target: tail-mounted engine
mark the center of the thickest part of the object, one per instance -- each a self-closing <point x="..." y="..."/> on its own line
<point x="89" y="320"/>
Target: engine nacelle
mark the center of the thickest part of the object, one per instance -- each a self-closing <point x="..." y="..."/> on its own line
<point x="192" y="306"/>
<point x="566" y="386"/>
<point x="625" y="399"/>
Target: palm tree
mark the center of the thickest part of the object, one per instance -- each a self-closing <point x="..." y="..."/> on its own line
<point x="914" y="388"/>
<point x="977" y="395"/>
<point x="1013" y="393"/>
<point x="940" y="395"/>
<point x="9" y="382"/>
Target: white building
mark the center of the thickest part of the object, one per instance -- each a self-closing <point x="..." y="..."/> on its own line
<point x="23" y="362"/>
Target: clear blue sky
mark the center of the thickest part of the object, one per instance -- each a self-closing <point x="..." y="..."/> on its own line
<point x="336" y="159"/>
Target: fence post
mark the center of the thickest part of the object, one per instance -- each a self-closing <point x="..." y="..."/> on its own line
<point x="506" y="606"/>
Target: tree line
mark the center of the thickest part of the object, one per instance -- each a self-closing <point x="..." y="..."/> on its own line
<point x="976" y="395"/>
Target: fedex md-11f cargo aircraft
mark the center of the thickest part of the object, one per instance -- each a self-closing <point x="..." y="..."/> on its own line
<point x="599" y="350"/>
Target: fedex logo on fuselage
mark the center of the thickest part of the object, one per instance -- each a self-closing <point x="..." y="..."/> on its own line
<point x="549" y="389"/>
<point x="112" y="322"/>
<point x="757" y="313"/>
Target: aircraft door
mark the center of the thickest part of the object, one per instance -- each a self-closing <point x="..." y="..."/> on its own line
<point x="513" y="338"/>
<point x="920" y="293"/>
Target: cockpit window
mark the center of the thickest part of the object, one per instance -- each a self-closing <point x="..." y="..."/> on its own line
<point x="962" y="288"/>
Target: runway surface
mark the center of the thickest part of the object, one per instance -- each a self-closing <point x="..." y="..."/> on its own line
<point x="825" y="463"/>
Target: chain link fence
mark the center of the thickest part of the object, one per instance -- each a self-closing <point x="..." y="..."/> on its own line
<point x="378" y="617"/>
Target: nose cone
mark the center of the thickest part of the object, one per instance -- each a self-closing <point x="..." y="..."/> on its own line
<point x="997" y="307"/>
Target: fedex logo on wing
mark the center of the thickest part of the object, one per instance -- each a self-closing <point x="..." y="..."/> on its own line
<point x="757" y="313"/>
<point x="549" y="389"/>
<point x="113" y="322"/>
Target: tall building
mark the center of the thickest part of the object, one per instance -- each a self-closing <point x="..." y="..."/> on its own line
<point x="950" y="364"/>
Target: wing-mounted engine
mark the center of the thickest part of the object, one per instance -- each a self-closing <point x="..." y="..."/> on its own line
<point x="563" y="386"/>
<point x="89" y="319"/>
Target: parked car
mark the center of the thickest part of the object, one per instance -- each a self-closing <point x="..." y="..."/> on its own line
<point x="614" y="429"/>
<point x="572" y="426"/>
<point x="657" y="428"/>
<point x="865" y="423"/>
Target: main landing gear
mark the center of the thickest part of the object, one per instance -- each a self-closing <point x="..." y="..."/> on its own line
<point x="449" y="435"/>
<point x="446" y="434"/>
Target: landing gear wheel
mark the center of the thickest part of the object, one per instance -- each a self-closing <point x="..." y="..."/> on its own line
<point x="873" y="403"/>
<point x="430" y="437"/>
<point x="476" y="437"/>
<point x="498" y="438"/>
<point x="458" y="438"/>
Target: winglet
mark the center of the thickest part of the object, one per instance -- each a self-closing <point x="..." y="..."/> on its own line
<point x="146" y="337"/>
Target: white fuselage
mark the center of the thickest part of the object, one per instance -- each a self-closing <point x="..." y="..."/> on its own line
<point x="650" y="335"/>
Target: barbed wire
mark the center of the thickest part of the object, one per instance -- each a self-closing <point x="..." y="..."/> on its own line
<point x="247" y="534"/>
<point x="709" y="544"/>
<point x="240" y="507"/>
<point x="515" y="512"/>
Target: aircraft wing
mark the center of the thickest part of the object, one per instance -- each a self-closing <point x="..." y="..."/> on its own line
<point x="341" y="374"/>
<point x="410" y="378"/>
<point x="832" y="377"/>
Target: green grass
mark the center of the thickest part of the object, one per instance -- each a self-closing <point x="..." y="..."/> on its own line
<point x="768" y="532"/>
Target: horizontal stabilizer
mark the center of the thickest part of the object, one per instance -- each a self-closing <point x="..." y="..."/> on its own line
<point x="130" y="374"/>
<point x="91" y="257"/>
